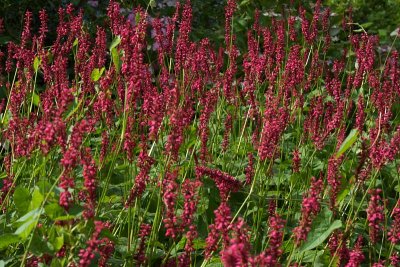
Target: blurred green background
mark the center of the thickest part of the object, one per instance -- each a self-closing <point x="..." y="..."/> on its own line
<point x="380" y="17"/>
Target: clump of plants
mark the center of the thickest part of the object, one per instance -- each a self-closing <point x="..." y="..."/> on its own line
<point x="140" y="147"/>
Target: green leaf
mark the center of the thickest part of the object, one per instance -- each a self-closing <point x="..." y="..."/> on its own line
<point x="367" y="25"/>
<point x="22" y="198"/>
<point x="96" y="74"/>
<point x="178" y="247"/>
<point x="26" y="228"/>
<point x="359" y="30"/>
<point x="324" y="259"/>
<point x="29" y="222"/>
<point x="342" y="195"/>
<point x="107" y="233"/>
<point x="54" y="210"/>
<point x="57" y="242"/>
<point x="397" y="188"/>
<point x="199" y="244"/>
<point x="37" y="199"/>
<point x="116" y="59"/>
<point x="30" y="215"/>
<point x="395" y="32"/>
<point x="56" y="263"/>
<point x="137" y="18"/>
<point x="36" y="63"/>
<point x="5" y="119"/>
<point x="348" y="142"/>
<point x="214" y="262"/>
<point x="320" y="231"/>
<point x="203" y="205"/>
<point x="39" y="245"/>
<point x="36" y="99"/>
<point x="75" y="42"/>
<point x="44" y="186"/>
<point x="115" y="42"/>
<point x="8" y="239"/>
<point x="382" y="33"/>
<point x="152" y="3"/>
<point x="65" y="218"/>
<point x="308" y="256"/>
<point x="74" y="212"/>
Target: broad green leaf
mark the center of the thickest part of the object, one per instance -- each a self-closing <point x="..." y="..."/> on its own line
<point x="56" y="263"/>
<point x="203" y="205"/>
<point x="39" y="245"/>
<point x="397" y="188"/>
<point x="115" y="42"/>
<point x="96" y="74"/>
<point x="214" y="262"/>
<point x="54" y="210"/>
<point x="37" y="199"/>
<point x="6" y="118"/>
<point x="44" y="186"/>
<point x="152" y="3"/>
<point x="308" y="256"/>
<point x="75" y="42"/>
<point x="320" y="231"/>
<point x="57" y="242"/>
<point x="25" y="229"/>
<point x="33" y="214"/>
<point x="323" y="259"/>
<point x="112" y="199"/>
<point x="116" y="59"/>
<point x="178" y="247"/>
<point x="342" y="195"/>
<point x="36" y="63"/>
<point x="395" y="32"/>
<point x="76" y="211"/>
<point x="199" y="244"/>
<point x="22" y="198"/>
<point x="8" y="239"/>
<point x="107" y="233"/>
<point x="36" y="99"/>
<point x="348" y="142"/>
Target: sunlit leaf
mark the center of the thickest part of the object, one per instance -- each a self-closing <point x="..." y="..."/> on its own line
<point x="25" y="229"/>
<point x="36" y="99"/>
<point x="36" y="63"/>
<point x="348" y="142"/>
<point x="116" y="59"/>
<point x="7" y="240"/>
<point x="22" y="198"/>
<point x="37" y="199"/>
<point x="115" y="42"/>
<point x="320" y="231"/>
<point x="54" y="210"/>
<point x="96" y="74"/>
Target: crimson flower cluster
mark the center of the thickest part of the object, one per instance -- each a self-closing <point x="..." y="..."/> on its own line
<point x="310" y="208"/>
<point x="224" y="181"/>
<point x="97" y="244"/>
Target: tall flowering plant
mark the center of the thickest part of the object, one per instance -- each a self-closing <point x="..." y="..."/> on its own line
<point x="136" y="144"/>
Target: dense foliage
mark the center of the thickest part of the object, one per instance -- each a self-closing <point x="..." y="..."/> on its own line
<point x="143" y="144"/>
